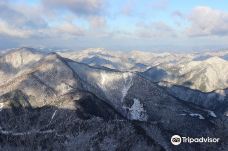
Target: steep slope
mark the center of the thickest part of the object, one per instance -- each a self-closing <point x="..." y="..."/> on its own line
<point x="145" y="101"/>
<point x="114" y="86"/>
<point x="216" y="100"/>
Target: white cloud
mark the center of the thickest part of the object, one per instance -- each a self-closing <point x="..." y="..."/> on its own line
<point x="78" y="7"/>
<point x="22" y="21"/>
<point x="155" y="30"/>
<point x="68" y="29"/>
<point x="91" y="22"/>
<point x="9" y="30"/>
<point x="97" y="22"/>
<point x="22" y="15"/>
<point x="160" y="4"/>
<point x="206" y="21"/>
<point x="178" y="14"/>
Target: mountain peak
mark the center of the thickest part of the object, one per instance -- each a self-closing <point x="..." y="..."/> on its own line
<point x="20" y="57"/>
<point x="24" y="50"/>
<point x="215" y="60"/>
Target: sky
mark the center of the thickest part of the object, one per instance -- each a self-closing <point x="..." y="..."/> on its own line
<point x="148" y="25"/>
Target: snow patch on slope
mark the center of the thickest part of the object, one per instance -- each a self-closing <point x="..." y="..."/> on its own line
<point x="53" y="115"/>
<point x="211" y="113"/>
<point x="222" y="94"/>
<point x="127" y="84"/>
<point x="137" y="111"/>
<point x="1" y="106"/>
<point x="5" y="132"/>
<point x="121" y="82"/>
<point x="197" y="115"/>
<point x="226" y="113"/>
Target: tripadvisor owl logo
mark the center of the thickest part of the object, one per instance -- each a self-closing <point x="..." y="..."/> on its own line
<point x="176" y="140"/>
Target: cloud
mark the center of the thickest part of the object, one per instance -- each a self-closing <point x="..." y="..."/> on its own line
<point x="15" y="22"/>
<point x="23" y="21"/>
<point x="78" y="7"/>
<point x="206" y="21"/>
<point x="90" y="23"/>
<point x="7" y="29"/>
<point x="67" y="29"/>
<point x="128" y="8"/>
<point x="178" y="14"/>
<point x="97" y="22"/>
<point x="155" y="30"/>
<point x="160" y="4"/>
<point x="22" y="16"/>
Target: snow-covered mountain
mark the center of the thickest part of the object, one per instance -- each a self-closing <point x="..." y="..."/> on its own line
<point x="205" y="71"/>
<point x="207" y="75"/>
<point x="80" y="104"/>
<point x="16" y="62"/>
<point x="123" y="61"/>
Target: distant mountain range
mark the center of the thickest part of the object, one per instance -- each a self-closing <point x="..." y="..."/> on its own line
<point x="102" y="100"/>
